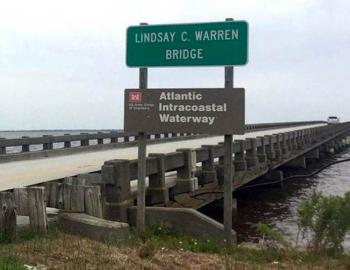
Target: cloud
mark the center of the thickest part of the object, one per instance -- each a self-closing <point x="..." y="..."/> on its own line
<point x="62" y="63"/>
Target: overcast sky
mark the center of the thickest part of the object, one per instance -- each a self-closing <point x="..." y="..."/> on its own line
<point x="62" y="63"/>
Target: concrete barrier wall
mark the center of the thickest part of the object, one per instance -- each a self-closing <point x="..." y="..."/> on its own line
<point x="100" y="138"/>
<point x="253" y="158"/>
<point x="183" y="220"/>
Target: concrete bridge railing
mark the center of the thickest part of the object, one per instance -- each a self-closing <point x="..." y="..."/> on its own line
<point x="253" y="156"/>
<point x="94" y="140"/>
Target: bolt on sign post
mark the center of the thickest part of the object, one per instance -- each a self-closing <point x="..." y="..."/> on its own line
<point x="202" y="111"/>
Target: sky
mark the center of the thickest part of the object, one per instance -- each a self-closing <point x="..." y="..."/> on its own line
<point x="62" y="63"/>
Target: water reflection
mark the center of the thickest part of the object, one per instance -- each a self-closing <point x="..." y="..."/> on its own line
<point x="277" y="206"/>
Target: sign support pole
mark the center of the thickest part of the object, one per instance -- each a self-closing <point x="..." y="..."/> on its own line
<point x="141" y="165"/>
<point x="228" y="166"/>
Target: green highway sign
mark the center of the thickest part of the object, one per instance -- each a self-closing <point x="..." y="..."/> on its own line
<point x="201" y="44"/>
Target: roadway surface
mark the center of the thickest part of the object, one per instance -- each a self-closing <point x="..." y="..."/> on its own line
<point x="30" y="172"/>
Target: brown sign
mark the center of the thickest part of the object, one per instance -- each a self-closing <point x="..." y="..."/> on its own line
<point x="202" y="111"/>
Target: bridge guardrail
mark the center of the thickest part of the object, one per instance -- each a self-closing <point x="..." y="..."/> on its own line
<point x="252" y="155"/>
<point x="49" y="142"/>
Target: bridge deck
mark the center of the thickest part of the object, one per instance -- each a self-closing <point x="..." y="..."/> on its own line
<point x="30" y="172"/>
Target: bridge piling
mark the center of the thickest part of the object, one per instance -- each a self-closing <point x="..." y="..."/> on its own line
<point x="299" y="162"/>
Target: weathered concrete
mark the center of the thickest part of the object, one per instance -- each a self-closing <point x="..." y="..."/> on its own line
<point x="186" y="181"/>
<point x="183" y="220"/>
<point x="157" y="190"/>
<point x="94" y="228"/>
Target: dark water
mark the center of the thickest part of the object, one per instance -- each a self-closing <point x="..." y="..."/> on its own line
<point x="277" y="206"/>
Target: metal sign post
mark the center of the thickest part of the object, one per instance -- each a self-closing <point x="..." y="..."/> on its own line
<point x="228" y="166"/>
<point x="141" y="165"/>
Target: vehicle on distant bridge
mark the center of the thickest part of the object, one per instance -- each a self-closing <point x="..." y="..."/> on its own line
<point x="333" y="120"/>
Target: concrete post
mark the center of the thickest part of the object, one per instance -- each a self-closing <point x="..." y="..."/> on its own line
<point x="48" y="145"/>
<point x="270" y="151"/>
<point x="25" y="147"/>
<point x="116" y="177"/>
<point x="284" y="146"/>
<point x="277" y="147"/>
<point x="67" y="143"/>
<point x="84" y="142"/>
<point x="239" y="162"/>
<point x="294" y="140"/>
<point x="300" y="140"/>
<point x="261" y="150"/>
<point x="158" y="192"/>
<point x="220" y="170"/>
<point x="186" y="182"/>
<point x="99" y="140"/>
<point x="251" y="154"/>
<point x="289" y="141"/>
<point x="208" y="167"/>
<point x="2" y="148"/>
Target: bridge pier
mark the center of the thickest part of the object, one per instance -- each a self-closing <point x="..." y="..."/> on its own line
<point x="275" y="175"/>
<point x="299" y="162"/>
<point x="314" y="154"/>
<point x="116" y="178"/>
<point x="186" y="182"/>
<point x="157" y="190"/>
